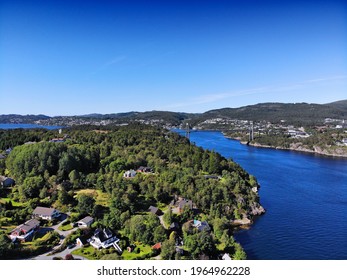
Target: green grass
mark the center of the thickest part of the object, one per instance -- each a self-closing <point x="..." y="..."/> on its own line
<point x="86" y="252"/>
<point x="66" y="227"/>
<point x="144" y="251"/>
<point x="100" y="197"/>
<point x="14" y="203"/>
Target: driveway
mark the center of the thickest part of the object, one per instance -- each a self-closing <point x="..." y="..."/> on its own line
<point x="58" y="255"/>
<point x="63" y="235"/>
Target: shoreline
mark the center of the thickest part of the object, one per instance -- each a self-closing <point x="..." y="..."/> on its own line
<point x="299" y="150"/>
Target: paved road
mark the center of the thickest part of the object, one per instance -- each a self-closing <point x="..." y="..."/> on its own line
<point x="63" y="235"/>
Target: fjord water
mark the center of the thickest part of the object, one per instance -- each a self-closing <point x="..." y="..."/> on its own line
<point x="305" y="197"/>
<point x="26" y="126"/>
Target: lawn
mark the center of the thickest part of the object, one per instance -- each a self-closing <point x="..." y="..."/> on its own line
<point x="66" y="227"/>
<point x="100" y="197"/>
<point x="145" y="250"/>
<point x="86" y="252"/>
<point x="14" y="203"/>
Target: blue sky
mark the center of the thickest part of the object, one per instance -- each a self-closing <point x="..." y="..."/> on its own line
<point x="80" y="57"/>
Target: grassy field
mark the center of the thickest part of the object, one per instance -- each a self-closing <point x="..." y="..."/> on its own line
<point x="100" y="197"/>
<point x="144" y="251"/>
<point x="86" y="252"/>
<point x="14" y="203"/>
<point x="91" y="253"/>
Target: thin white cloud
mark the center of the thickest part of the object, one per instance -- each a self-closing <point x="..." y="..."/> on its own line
<point x="114" y="61"/>
<point x="109" y="63"/>
<point x="211" y="98"/>
<point x="333" y="78"/>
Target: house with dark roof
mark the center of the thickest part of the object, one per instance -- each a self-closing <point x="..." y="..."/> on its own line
<point x="104" y="238"/>
<point x="155" y="211"/>
<point x="45" y="213"/>
<point x="81" y="241"/>
<point x="144" y="169"/>
<point x="25" y="231"/>
<point x="85" y="222"/>
<point x="174" y="226"/>
<point x="6" y="181"/>
<point x="57" y="140"/>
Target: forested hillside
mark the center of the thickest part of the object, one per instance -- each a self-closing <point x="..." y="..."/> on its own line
<point x="89" y="165"/>
<point x="294" y="113"/>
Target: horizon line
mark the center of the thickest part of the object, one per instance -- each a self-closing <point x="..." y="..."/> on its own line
<point x="156" y="110"/>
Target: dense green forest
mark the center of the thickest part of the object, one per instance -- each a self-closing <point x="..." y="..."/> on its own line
<point x="84" y="175"/>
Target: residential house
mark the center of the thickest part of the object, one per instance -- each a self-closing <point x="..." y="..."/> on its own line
<point x="104" y="238"/>
<point x="6" y="181"/>
<point x="214" y="177"/>
<point x="144" y="169"/>
<point x="201" y="225"/>
<point x="57" y="140"/>
<point x="45" y="213"/>
<point x="85" y="222"/>
<point x="2" y="156"/>
<point x="226" y="257"/>
<point x="155" y="211"/>
<point x="157" y="246"/>
<point x="25" y="231"/>
<point x="344" y="141"/>
<point x="8" y="151"/>
<point x="81" y="241"/>
<point x="130" y="174"/>
<point x="183" y="203"/>
<point x="174" y="226"/>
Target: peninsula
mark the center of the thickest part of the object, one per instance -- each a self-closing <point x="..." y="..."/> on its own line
<point x="123" y="192"/>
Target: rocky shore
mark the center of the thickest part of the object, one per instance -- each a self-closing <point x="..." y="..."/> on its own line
<point x="335" y="152"/>
<point x="245" y="222"/>
<point x="339" y="152"/>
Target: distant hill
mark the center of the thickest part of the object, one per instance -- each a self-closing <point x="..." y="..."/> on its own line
<point x="162" y="116"/>
<point x="13" y="118"/>
<point x="275" y="112"/>
<point x="295" y="113"/>
<point x="342" y="105"/>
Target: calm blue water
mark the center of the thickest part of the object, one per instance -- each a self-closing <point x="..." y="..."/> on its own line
<point x="26" y="126"/>
<point x="305" y="197"/>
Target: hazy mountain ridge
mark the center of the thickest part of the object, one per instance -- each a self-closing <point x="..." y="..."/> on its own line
<point x="304" y="113"/>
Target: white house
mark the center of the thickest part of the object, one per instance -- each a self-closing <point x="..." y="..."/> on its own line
<point x="25" y="231"/>
<point x="45" y="213"/>
<point x="104" y="238"/>
<point x="201" y="225"/>
<point x="130" y="174"/>
<point x="226" y="257"/>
